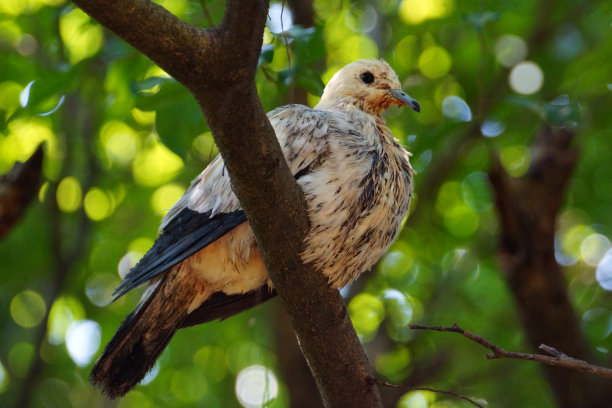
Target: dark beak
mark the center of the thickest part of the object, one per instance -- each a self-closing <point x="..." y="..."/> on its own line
<point x="405" y="99"/>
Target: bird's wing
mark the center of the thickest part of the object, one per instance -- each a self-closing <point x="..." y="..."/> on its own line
<point x="209" y="208"/>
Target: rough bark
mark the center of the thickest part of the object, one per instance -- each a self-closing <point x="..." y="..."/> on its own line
<point x="527" y="208"/>
<point x="217" y="65"/>
<point x="295" y="372"/>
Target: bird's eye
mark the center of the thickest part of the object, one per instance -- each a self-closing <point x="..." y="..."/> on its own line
<point x="367" y="77"/>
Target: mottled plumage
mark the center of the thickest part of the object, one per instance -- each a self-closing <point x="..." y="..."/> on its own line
<point x="205" y="265"/>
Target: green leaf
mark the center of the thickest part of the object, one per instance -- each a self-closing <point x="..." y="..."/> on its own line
<point x="179" y="118"/>
<point x="309" y="80"/>
<point x="308" y="44"/>
<point x="179" y="123"/>
<point x="266" y="55"/>
<point x="148" y="84"/>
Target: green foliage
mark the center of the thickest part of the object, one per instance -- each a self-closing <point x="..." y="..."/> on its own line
<point x="123" y="141"/>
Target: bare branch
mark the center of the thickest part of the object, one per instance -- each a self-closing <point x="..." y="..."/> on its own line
<point x="557" y="358"/>
<point x="410" y="388"/>
<point x="209" y="19"/>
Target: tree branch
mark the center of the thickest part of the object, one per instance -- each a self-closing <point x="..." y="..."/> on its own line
<point x="437" y="391"/>
<point x="17" y="188"/>
<point x="217" y="65"/>
<point x="556" y="358"/>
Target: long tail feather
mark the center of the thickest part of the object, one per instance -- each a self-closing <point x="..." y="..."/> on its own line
<point x="142" y="337"/>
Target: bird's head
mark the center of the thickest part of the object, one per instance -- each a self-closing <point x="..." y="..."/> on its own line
<point x="370" y="85"/>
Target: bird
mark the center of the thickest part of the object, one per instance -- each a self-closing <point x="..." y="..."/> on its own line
<point x="205" y="264"/>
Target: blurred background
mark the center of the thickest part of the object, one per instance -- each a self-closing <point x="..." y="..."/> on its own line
<point x="122" y="142"/>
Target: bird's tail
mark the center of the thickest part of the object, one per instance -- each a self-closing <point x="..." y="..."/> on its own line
<point x="141" y="338"/>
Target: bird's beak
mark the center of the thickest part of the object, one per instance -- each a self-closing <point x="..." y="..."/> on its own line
<point x="405" y="99"/>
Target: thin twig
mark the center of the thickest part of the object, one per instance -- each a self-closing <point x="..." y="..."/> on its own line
<point x="410" y="388"/>
<point x="269" y="77"/>
<point x="556" y="358"/>
<point x="209" y="19"/>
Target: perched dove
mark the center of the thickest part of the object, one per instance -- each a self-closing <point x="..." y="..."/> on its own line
<point x="205" y="264"/>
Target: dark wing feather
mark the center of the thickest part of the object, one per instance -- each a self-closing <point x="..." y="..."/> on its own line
<point x="221" y="306"/>
<point x="185" y="234"/>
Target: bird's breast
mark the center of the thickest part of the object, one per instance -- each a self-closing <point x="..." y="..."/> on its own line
<point x="357" y="200"/>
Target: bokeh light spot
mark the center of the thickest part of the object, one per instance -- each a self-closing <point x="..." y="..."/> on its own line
<point x="418" y="11"/>
<point x="398" y="308"/>
<point x="435" y="62"/>
<point x="211" y="359"/>
<point x="204" y="146"/>
<point x="510" y="50"/>
<point x="120" y="141"/>
<point x="515" y="160"/>
<point x="25" y="134"/>
<point x="603" y="273"/>
<point x="255" y="386"/>
<point x="367" y="312"/>
<point x="155" y="165"/>
<point x="82" y="341"/>
<point x="143" y="118"/>
<point x="395" y="364"/>
<point x="134" y="399"/>
<point x="3" y="378"/>
<point x="19" y="358"/>
<point x="354" y="47"/>
<point x="65" y="311"/>
<point x="568" y="43"/>
<point x="82" y="37"/>
<point x="397" y="263"/>
<point x="476" y="191"/>
<point x="526" y="78"/>
<point x="188" y="385"/>
<point x="593" y="248"/>
<point x="100" y="288"/>
<point x="416" y="399"/>
<point x="453" y="107"/>
<point x="492" y="128"/>
<point x="164" y="198"/>
<point x="27" y="45"/>
<point x="151" y="374"/>
<point x="69" y="194"/>
<point x="461" y="221"/>
<point x="405" y="53"/>
<point x="9" y="94"/>
<point x="28" y="308"/>
<point x="97" y="204"/>
<point x="361" y="18"/>
<point x="279" y="18"/>
<point x="127" y="262"/>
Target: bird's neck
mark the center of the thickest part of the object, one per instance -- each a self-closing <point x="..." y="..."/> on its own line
<point x="350" y="105"/>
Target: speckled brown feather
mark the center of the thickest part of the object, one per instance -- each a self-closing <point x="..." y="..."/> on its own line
<point x="145" y="333"/>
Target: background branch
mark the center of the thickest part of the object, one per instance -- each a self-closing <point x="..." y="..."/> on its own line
<point x="17" y="188"/>
<point x="527" y="208"/>
<point x="556" y="358"/>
